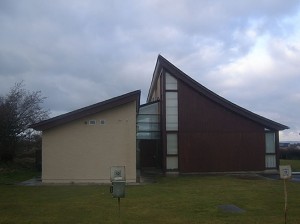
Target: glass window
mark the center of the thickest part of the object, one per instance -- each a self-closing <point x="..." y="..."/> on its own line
<point x="270" y="161"/>
<point x="270" y="142"/>
<point x="152" y="118"/>
<point x="172" y="148"/>
<point x="172" y="123"/>
<point x="171" y="111"/>
<point x="171" y="82"/>
<point x="148" y="135"/>
<point x="172" y="162"/>
<point x="149" y="109"/>
<point x="171" y="95"/>
<point x="148" y="127"/>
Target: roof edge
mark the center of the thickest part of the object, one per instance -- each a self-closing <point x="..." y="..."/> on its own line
<point x="163" y="63"/>
<point x="154" y="76"/>
<point x="88" y="110"/>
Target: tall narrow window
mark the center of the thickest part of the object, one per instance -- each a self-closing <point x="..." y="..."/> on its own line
<point x="171" y="82"/>
<point x="270" y="142"/>
<point x="171" y="111"/>
<point x="172" y="151"/>
<point x="171" y="122"/>
<point x="172" y="144"/>
<point x="270" y="159"/>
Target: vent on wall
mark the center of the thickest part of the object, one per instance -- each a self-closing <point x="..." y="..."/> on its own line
<point x="92" y="122"/>
<point x="95" y="122"/>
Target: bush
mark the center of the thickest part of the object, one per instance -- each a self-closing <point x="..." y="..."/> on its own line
<point x="289" y="153"/>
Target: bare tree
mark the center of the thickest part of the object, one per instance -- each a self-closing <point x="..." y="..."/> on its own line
<point x="18" y="110"/>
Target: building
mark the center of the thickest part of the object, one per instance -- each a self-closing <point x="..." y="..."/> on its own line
<point x="203" y="132"/>
<point x="82" y="146"/>
<point x="183" y="128"/>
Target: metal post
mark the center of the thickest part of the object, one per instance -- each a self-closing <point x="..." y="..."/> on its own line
<point x="285" y="172"/>
<point x="285" y="201"/>
<point x="119" y="205"/>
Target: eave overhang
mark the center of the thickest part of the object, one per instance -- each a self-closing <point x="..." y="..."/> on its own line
<point x="89" y="110"/>
<point x="163" y="65"/>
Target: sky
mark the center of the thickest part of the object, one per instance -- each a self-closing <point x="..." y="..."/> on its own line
<point x="78" y="53"/>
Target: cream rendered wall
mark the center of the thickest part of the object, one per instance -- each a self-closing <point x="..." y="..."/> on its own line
<point x="81" y="153"/>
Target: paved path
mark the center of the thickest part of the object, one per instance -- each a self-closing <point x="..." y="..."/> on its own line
<point x="150" y="177"/>
<point x="295" y="177"/>
<point x="32" y="182"/>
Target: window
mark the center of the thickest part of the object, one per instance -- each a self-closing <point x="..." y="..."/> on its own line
<point x="102" y="122"/>
<point x="92" y="122"/>
<point x="171" y="82"/>
<point x="171" y="122"/>
<point x="151" y="108"/>
<point x="171" y="111"/>
<point x="270" y="161"/>
<point x="172" y="162"/>
<point x="172" y="144"/>
<point x="270" y="142"/>
<point x="270" y="158"/>
<point x="148" y="122"/>
<point x="172" y="151"/>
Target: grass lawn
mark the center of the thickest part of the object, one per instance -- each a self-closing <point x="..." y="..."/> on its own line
<point x="13" y="173"/>
<point x="184" y="199"/>
<point x="295" y="164"/>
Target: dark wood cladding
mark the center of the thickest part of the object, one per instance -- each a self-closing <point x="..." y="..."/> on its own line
<point x="214" y="139"/>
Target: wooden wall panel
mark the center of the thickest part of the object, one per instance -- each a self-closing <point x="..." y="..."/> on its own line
<point x="214" y="139"/>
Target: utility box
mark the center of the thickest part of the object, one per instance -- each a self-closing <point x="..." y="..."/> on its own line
<point x="118" y="179"/>
<point x="118" y="189"/>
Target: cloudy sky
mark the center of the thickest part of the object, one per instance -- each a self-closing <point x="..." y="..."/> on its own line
<point x="83" y="52"/>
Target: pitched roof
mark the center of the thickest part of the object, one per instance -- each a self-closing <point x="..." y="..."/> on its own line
<point x="89" y="110"/>
<point x="163" y="63"/>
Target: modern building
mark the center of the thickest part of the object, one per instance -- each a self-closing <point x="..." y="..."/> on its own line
<point x="203" y="132"/>
<point x="183" y="128"/>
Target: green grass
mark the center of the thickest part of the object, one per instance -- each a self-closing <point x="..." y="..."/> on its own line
<point x="184" y="199"/>
<point x="295" y="164"/>
<point x="11" y="173"/>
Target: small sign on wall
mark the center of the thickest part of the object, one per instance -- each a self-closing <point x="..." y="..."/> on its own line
<point x="117" y="173"/>
<point x="285" y="171"/>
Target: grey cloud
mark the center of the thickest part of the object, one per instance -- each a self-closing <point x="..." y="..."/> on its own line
<point x="82" y="52"/>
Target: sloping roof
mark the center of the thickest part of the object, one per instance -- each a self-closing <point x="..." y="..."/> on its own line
<point x="89" y="110"/>
<point x="163" y="63"/>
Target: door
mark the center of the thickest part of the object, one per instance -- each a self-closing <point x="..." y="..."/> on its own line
<point x="150" y="155"/>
